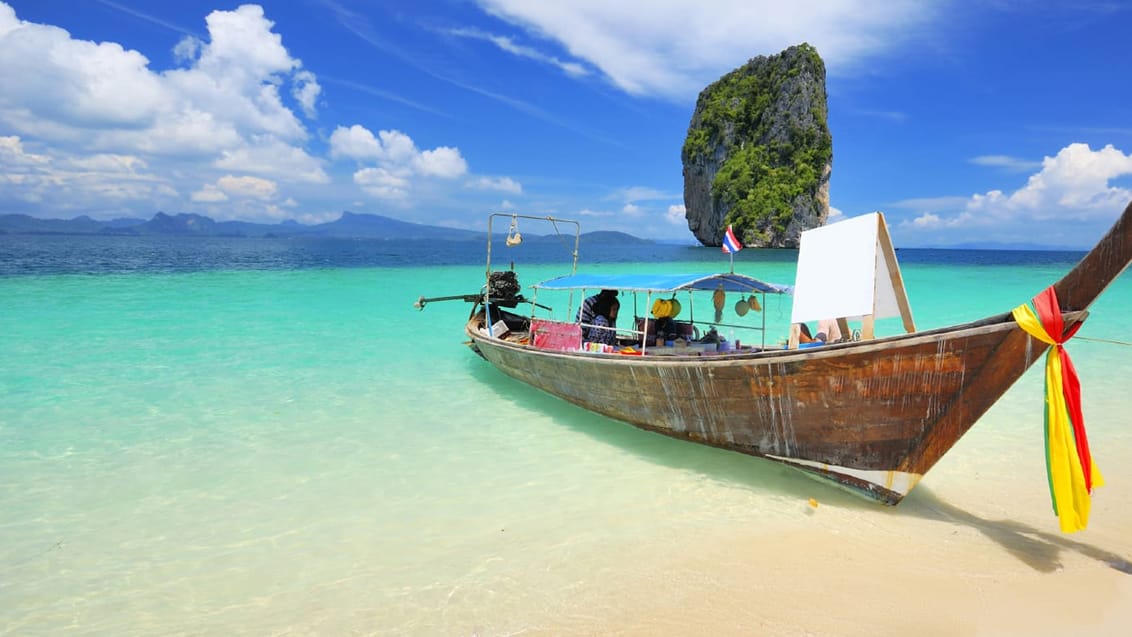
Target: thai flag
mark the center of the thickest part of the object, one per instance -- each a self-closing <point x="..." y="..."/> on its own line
<point x="731" y="244"/>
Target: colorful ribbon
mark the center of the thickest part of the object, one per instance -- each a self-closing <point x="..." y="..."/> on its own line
<point x="1069" y="464"/>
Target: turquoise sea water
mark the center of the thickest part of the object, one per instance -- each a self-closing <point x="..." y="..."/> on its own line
<point x="270" y="439"/>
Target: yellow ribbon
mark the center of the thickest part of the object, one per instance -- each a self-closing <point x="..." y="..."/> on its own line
<point x="1071" y="501"/>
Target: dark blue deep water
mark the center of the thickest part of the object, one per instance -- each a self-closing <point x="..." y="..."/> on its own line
<point x="88" y="254"/>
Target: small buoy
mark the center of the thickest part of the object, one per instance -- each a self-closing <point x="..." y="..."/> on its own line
<point x="813" y="503"/>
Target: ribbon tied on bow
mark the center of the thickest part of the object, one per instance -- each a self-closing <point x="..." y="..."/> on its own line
<point x="1070" y="468"/>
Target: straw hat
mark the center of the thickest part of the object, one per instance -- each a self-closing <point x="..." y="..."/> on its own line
<point x="741" y="307"/>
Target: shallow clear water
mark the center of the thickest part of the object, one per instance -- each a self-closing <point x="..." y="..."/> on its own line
<point x="250" y="436"/>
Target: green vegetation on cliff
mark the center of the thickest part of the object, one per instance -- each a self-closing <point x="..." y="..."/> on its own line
<point x="774" y="132"/>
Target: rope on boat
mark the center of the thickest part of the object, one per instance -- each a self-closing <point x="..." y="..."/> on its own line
<point x="1103" y="340"/>
<point x="560" y="236"/>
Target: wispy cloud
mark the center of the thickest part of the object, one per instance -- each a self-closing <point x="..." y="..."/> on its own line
<point x="1006" y="162"/>
<point x="589" y="212"/>
<point x="930" y="204"/>
<point x="358" y="25"/>
<point x="892" y="116"/>
<point x="501" y="184"/>
<point x="533" y="111"/>
<point x="149" y="18"/>
<point x="639" y="193"/>
<point x="663" y="48"/>
<point x="573" y="69"/>
<point x="1077" y="131"/>
<point x="386" y="95"/>
<point x="361" y="27"/>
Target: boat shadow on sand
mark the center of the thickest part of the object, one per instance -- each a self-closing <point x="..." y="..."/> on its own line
<point x="1039" y="549"/>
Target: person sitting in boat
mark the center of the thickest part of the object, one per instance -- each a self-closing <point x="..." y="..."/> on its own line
<point x="586" y="312"/>
<point x="804" y="334"/>
<point x="603" y="326"/>
<point x="665" y="328"/>
<point x="828" y="331"/>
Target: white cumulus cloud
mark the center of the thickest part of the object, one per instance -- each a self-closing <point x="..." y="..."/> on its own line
<point x="210" y="193"/>
<point x="44" y="74"/>
<point x="82" y="103"/>
<point x="247" y="186"/>
<point x="274" y="158"/>
<point x="306" y="90"/>
<point x="382" y="183"/>
<point x="355" y="142"/>
<point x="66" y="183"/>
<point x="1076" y="184"/>
<point x="244" y="190"/>
<point x="397" y="158"/>
<point x="13" y="154"/>
<point x="441" y="162"/>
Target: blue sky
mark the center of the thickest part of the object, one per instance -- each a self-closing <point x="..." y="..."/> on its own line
<point x="985" y="120"/>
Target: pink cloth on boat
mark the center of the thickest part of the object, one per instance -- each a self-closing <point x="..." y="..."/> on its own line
<point x="556" y="335"/>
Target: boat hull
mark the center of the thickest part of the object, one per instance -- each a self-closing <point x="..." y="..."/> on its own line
<point x="873" y="417"/>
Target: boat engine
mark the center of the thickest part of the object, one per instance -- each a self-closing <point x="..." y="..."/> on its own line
<point x="503" y="288"/>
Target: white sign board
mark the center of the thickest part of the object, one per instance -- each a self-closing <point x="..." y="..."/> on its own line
<point x="843" y="272"/>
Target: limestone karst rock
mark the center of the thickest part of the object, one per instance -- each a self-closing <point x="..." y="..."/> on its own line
<point x="759" y="154"/>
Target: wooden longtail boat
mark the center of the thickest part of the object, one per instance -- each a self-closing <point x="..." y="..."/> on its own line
<point x="871" y="415"/>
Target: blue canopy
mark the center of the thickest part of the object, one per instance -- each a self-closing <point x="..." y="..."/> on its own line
<point x="663" y="283"/>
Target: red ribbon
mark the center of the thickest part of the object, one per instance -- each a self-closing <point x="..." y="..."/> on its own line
<point x="1049" y="313"/>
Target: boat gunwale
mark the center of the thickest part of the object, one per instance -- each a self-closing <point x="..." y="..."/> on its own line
<point x="1000" y="322"/>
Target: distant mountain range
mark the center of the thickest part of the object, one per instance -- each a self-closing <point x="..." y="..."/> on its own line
<point x="350" y="225"/>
